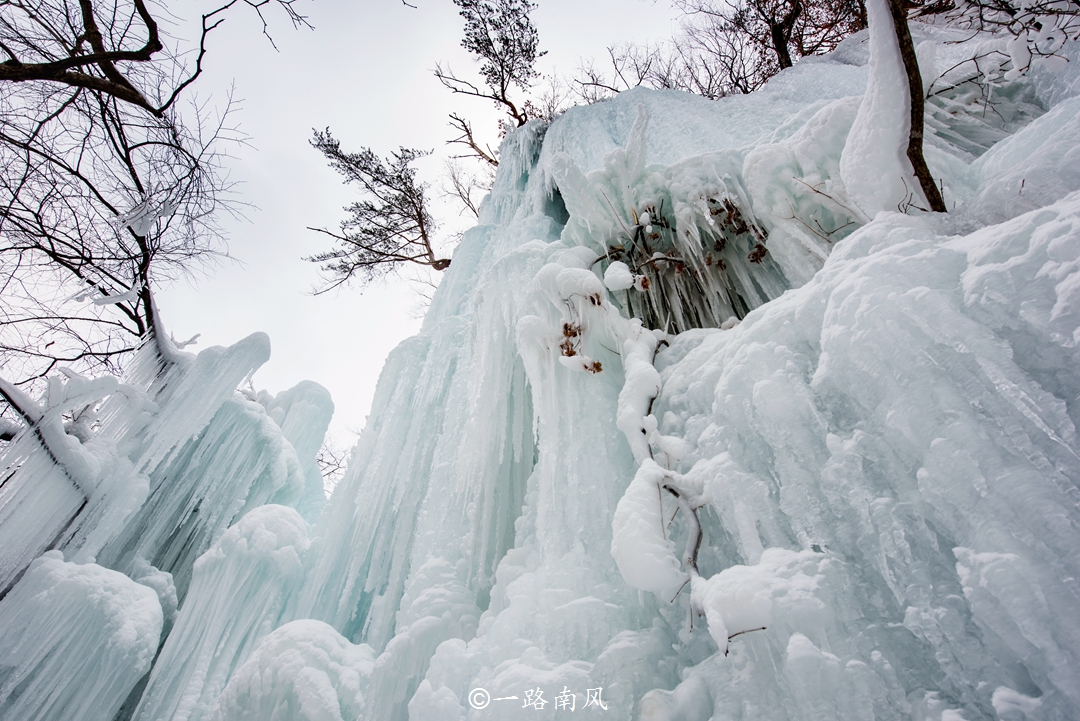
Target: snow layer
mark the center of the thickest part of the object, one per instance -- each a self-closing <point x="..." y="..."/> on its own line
<point x="874" y="163"/>
<point x="645" y="556"/>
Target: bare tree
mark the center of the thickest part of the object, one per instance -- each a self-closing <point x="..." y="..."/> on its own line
<point x="552" y="97"/>
<point x="782" y="30"/>
<point x="333" y="459"/>
<point x="778" y="31"/>
<point x="99" y="201"/>
<point x="725" y="48"/>
<point x="630" y="65"/>
<point x="112" y="47"/>
<point x="464" y="185"/>
<point x="707" y="60"/>
<point x="720" y="61"/>
<point x="391" y="226"/>
<point x="108" y="184"/>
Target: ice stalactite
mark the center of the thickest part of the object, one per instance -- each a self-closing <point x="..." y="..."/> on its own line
<point x="303" y="415"/>
<point x="259" y="562"/>
<point x="838" y="483"/>
<point x="686" y="233"/>
<point x="61" y="489"/>
<point x="241" y="456"/>
<point x="141" y="477"/>
<point x="78" y="496"/>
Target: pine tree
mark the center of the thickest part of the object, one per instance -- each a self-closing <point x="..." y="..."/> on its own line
<point x="390" y="226"/>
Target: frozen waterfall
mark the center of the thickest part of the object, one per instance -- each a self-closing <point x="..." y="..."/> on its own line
<point x="698" y="427"/>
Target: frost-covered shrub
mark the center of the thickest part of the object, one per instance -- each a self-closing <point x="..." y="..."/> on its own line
<point x="695" y="253"/>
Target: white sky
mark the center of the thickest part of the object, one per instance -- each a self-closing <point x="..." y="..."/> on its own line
<point x="365" y="71"/>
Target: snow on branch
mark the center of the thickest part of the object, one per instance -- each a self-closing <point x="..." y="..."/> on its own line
<point x="63" y="442"/>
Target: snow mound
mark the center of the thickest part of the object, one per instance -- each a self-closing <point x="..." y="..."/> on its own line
<point x="302" y="671"/>
<point x="76" y="639"/>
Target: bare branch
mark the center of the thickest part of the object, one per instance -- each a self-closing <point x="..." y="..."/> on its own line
<point x="332" y="459"/>
<point x="463" y="184"/>
<point x="99" y="199"/>
<point x="38" y="51"/>
<point x="466" y="138"/>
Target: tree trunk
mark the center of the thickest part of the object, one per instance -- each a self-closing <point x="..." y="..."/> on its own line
<point x="781" y="34"/>
<point x="915" y="89"/>
<point x="780" y="46"/>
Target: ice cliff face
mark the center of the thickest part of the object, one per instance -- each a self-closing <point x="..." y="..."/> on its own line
<point x="692" y="431"/>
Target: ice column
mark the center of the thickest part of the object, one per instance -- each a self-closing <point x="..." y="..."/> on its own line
<point x="238" y="595"/>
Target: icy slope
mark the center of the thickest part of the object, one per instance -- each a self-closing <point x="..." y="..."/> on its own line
<point x="875" y="417"/>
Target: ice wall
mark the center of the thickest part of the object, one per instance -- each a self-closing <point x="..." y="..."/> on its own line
<point x="132" y="482"/>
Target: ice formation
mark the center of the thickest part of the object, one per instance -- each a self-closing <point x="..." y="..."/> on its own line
<point x="699" y="426"/>
<point x="93" y="627"/>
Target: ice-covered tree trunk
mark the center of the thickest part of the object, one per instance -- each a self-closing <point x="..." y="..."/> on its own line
<point x="875" y="164"/>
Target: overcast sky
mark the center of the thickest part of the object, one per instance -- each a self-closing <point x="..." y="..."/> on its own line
<point x="364" y="71"/>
